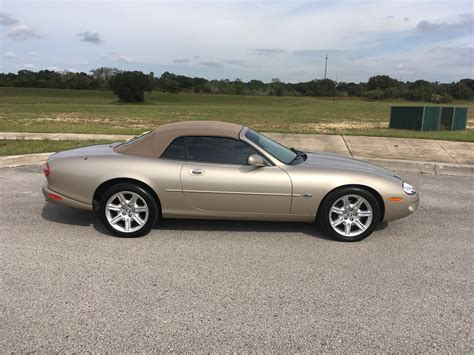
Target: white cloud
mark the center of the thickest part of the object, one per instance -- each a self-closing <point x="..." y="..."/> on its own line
<point x="28" y="66"/>
<point x="125" y="59"/>
<point x="91" y="37"/>
<point x="22" y="32"/>
<point x="113" y="57"/>
<point x="7" y="20"/>
<point x="10" y="55"/>
<point x="180" y="60"/>
<point x="464" y="23"/>
<point x="54" y="68"/>
<point x="33" y="54"/>
<point x="212" y="64"/>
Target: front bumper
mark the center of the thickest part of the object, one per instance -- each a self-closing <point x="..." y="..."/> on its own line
<point x="395" y="210"/>
<point x="64" y="200"/>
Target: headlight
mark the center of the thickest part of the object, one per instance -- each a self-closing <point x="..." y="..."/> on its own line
<point x="410" y="190"/>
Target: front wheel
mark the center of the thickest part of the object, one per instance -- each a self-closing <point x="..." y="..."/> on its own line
<point x="128" y="210"/>
<point x="349" y="214"/>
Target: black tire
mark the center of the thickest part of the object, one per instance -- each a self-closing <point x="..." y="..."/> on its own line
<point x="325" y="214"/>
<point x="145" y="199"/>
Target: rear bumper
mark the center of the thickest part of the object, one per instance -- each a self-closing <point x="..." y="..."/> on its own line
<point x="53" y="196"/>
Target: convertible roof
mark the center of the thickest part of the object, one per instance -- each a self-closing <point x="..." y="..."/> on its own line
<point x="154" y="143"/>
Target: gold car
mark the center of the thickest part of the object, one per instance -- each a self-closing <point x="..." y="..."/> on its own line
<point x="218" y="170"/>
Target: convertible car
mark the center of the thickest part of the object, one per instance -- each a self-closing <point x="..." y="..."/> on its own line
<point x="218" y="170"/>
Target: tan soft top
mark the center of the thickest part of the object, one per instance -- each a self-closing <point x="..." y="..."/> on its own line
<point x="153" y="144"/>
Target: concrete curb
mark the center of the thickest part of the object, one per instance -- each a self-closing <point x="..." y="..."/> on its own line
<point x="411" y="166"/>
<point x="62" y="136"/>
<point x="423" y="167"/>
<point x="11" y="161"/>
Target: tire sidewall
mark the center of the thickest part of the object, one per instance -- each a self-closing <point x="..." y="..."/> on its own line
<point x="323" y="216"/>
<point x="146" y="195"/>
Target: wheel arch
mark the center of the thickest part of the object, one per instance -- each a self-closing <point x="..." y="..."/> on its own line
<point x="374" y="192"/>
<point x="109" y="183"/>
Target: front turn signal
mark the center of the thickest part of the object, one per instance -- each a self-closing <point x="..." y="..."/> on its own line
<point x="395" y="199"/>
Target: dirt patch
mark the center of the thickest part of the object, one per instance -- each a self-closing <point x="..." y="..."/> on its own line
<point x="80" y="118"/>
<point x="470" y="124"/>
<point x="70" y="117"/>
<point x="339" y="126"/>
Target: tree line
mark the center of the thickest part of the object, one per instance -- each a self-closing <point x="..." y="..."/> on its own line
<point x="130" y="86"/>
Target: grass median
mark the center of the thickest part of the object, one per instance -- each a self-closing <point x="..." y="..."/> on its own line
<point x="80" y="111"/>
<point x="17" y="147"/>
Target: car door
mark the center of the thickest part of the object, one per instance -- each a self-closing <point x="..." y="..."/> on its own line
<point x="216" y="177"/>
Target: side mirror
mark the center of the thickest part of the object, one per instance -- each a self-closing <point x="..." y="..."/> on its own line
<point x="256" y="160"/>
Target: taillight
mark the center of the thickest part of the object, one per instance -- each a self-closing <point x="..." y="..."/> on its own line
<point x="46" y="169"/>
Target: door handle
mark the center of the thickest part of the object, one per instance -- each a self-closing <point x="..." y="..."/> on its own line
<point x="197" y="172"/>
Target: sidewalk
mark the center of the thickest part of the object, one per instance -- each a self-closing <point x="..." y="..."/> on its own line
<point x="404" y="154"/>
<point x="383" y="147"/>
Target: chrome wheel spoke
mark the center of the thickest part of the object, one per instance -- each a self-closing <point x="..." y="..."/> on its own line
<point x="128" y="223"/>
<point x="359" y="225"/>
<point x="140" y="221"/>
<point x="112" y="207"/>
<point x="122" y="198"/>
<point x="364" y="213"/>
<point x="337" y="210"/>
<point x="345" y="200"/>
<point x="133" y="200"/>
<point x="141" y="209"/>
<point x="356" y="206"/>
<point x="116" y="219"/>
<point x="347" y="228"/>
<point x="337" y="222"/>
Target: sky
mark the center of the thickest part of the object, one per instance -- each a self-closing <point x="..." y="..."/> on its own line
<point x="408" y="40"/>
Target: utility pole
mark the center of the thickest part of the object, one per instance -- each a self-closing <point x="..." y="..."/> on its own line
<point x="326" y="66"/>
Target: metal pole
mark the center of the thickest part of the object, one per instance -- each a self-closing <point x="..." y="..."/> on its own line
<point x="326" y="66"/>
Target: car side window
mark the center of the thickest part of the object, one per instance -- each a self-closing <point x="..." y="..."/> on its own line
<point x="218" y="150"/>
<point x="176" y="150"/>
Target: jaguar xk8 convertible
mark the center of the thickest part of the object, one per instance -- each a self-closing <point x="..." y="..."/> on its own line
<point x="220" y="170"/>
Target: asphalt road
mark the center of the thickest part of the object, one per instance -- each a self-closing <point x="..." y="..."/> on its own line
<point x="235" y="286"/>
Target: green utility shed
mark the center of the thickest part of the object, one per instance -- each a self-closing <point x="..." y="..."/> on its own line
<point x="428" y="118"/>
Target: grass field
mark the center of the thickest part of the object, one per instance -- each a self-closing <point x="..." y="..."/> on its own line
<point x="51" y="110"/>
<point x="14" y="147"/>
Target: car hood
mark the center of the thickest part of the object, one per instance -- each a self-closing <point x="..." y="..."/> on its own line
<point x="336" y="161"/>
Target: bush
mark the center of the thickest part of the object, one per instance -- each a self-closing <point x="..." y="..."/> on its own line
<point x="441" y="99"/>
<point x="130" y="86"/>
<point x="377" y="94"/>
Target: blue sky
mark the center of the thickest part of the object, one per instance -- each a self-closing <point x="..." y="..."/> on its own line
<point x="408" y="40"/>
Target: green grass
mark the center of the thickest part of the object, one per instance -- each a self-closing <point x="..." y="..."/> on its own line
<point x="51" y="110"/>
<point x="14" y="147"/>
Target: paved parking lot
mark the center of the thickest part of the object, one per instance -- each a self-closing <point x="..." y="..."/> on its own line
<point x="235" y="286"/>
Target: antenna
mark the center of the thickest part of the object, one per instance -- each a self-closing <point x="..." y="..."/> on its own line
<point x="326" y="65"/>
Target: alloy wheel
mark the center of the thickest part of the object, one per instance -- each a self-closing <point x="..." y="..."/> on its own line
<point x="350" y="215"/>
<point x="126" y="211"/>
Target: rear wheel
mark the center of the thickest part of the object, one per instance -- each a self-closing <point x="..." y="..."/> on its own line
<point x="349" y="214"/>
<point x="128" y="210"/>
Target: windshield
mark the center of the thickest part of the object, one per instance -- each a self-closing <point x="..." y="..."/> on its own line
<point x="277" y="150"/>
